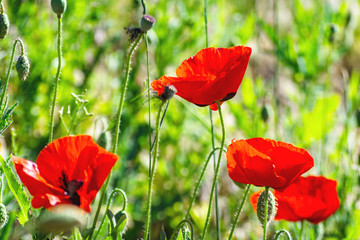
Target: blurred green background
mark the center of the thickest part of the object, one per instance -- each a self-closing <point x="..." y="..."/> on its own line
<point x="304" y="75"/>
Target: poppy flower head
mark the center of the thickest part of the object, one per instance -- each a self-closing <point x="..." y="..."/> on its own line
<point x="69" y="170"/>
<point x="213" y="74"/>
<point x="266" y="162"/>
<point x="308" y="198"/>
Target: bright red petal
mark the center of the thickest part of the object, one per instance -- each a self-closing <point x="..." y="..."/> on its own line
<point x="213" y="74"/>
<point x="31" y="178"/>
<point x="62" y="156"/>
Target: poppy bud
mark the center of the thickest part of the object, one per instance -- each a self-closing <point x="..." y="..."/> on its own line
<point x="264" y="113"/>
<point x="58" y="6"/>
<point x="271" y="208"/>
<point x="104" y="140"/>
<point x="358" y="117"/>
<point x="147" y="22"/>
<point x="23" y="67"/>
<point x="3" y="215"/>
<point x="4" y="25"/>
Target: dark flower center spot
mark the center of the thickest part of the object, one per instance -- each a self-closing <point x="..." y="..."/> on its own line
<point x="70" y="188"/>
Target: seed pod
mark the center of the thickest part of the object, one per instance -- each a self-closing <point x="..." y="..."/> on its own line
<point x="4" y="25"/>
<point x="147" y="22"/>
<point x="23" y="67"/>
<point x="3" y="216"/>
<point x="271" y="208"/>
<point x="58" y="6"/>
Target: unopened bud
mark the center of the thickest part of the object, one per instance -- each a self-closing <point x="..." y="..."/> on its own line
<point x="3" y="215"/>
<point x="23" y="67"/>
<point x="58" y="6"/>
<point x="271" y="208"/>
<point x="147" y="22"/>
<point x="264" y="113"/>
<point x="358" y="117"/>
<point x="4" y="25"/>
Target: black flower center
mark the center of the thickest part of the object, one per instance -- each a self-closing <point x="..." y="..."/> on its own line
<point x="70" y="188"/>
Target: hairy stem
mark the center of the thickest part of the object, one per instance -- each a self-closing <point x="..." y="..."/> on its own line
<point x="216" y="173"/>
<point x="57" y="78"/>
<point x="266" y="211"/>
<point x="239" y="211"/>
<point x="151" y="179"/>
<point x="3" y="93"/>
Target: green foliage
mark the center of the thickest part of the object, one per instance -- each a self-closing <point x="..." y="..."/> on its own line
<point x="18" y="190"/>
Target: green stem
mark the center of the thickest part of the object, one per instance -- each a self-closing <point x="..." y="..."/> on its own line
<point x="266" y="212"/>
<point x="57" y="78"/>
<point x="1" y="188"/>
<point x="123" y="92"/>
<point x="178" y="227"/>
<point x="157" y="137"/>
<point x="301" y="230"/>
<point x="3" y="93"/>
<point x="216" y="172"/>
<point x="148" y="91"/>
<point x="199" y="181"/>
<point x="284" y="232"/>
<point x="117" y="129"/>
<point x="239" y="211"/>
<point x="116" y="190"/>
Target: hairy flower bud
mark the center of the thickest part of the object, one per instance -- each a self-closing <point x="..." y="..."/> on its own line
<point x="3" y="215"/>
<point x="271" y="208"/>
<point x="4" y="25"/>
<point x="58" y="6"/>
<point x="23" y="67"/>
<point x="147" y="22"/>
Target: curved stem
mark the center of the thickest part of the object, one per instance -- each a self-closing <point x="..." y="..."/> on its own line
<point x="216" y="172"/>
<point x="266" y="211"/>
<point x="57" y="78"/>
<point x="157" y="137"/>
<point x="178" y="227"/>
<point x="284" y="232"/>
<point x="116" y="190"/>
<point x="239" y="211"/>
<point x="199" y="181"/>
<point x="117" y="129"/>
<point x="3" y="93"/>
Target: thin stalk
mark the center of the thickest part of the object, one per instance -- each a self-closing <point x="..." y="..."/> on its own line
<point x="199" y="181"/>
<point x="116" y="190"/>
<point x="178" y="227"/>
<point x="123" y="92"/>
<point x="117" y="129"/>
<point x="284" y="232"/>
<point x="148" y="92"/>
<point x="217" y="214"/>
<point x="3" y="93"/>
<point x="1" y="188"/>
<point x="239" y="211"/>
<point x="266" y="211"/>
<point x="156" y="150"/>
<point x="57" y="78"/>
<point x="301" y="230"/>
<point x="216" y="172"/>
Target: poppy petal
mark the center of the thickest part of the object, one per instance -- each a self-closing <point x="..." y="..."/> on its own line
<point x="30" y="177"/>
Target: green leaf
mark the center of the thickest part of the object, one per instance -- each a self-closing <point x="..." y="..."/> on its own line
<point x="121" y="220"/>
<point x="163" y="234"/>
<point x="180" y="235"/>
<point x="18" y="191"/>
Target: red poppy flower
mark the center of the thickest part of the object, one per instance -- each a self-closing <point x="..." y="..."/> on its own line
<point x="266" y="162"/>
<point x="308" y="198"/>
<point x="69" y="170"/>
<point x="213" y="74"/>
